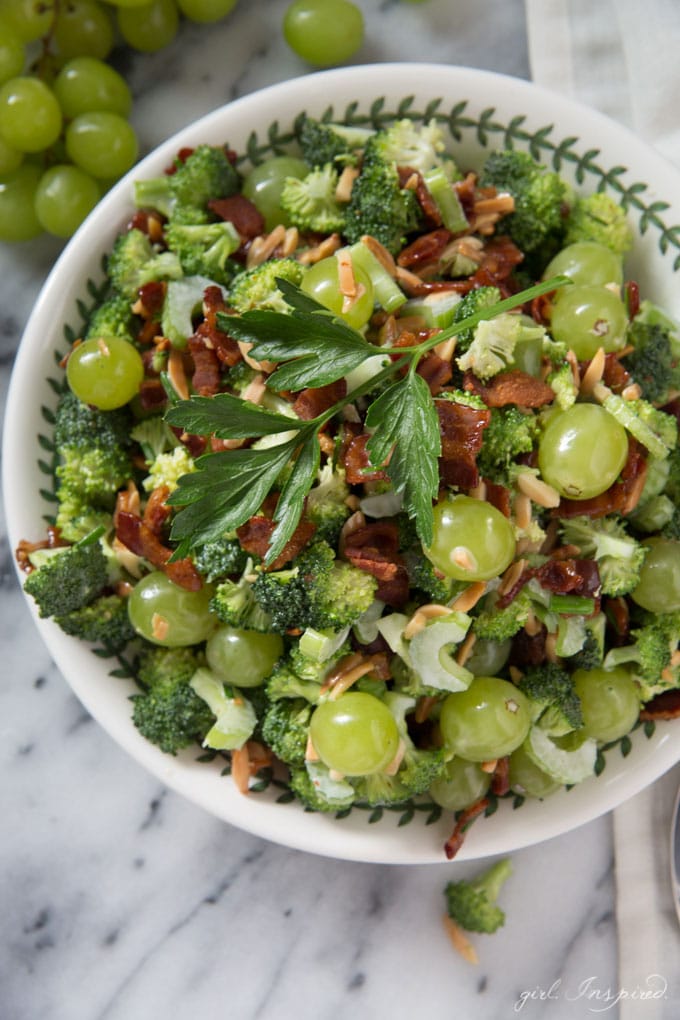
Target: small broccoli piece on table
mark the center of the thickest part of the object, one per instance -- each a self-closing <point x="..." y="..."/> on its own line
<point x="205" y="249"/>
<point x="654" y="362"/>
<point x="508" y="434"/>
<point x="310" y="202"/>
<point x="285" y="729"/>
<point x="256" y="287"/>
<point x="598" y="217"/>
<point x="220" y="559"/>
<point x="168" y="712"/>
<point x="379" y="206"/>
<point x="183" y="195"/>
<point x="324" y="142"/>
<point x="68" y="578"/>
<point x="539" y="196"/>
<point x="474" y="301"/>
<point x="471" y="903"/>
<point x="104" y="621"/>
<point x="493" y="347"/>
<point x="555" y="705"/>
<point x="114" y="317"/>
<point x="619" y="556"/>
<point x="327" y="503"/>
<point x="134" y="261"/>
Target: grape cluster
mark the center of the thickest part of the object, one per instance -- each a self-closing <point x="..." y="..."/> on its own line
<point x="65" y="136"/>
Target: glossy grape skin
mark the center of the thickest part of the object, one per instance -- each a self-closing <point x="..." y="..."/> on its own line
<point x="488" y="657"/>
<point x="264" y="184"/>
<point x="355" y="735"/>
<point x="29" y="19"/>
<point x="64" y="197"/>
<point x="243" y="657"/>
<point x="582" y="451"/>
<point x="487" y="721"/>
<point x="101" y="143"/>
<point x="527" y="778"/>
<point x="462" y="784"/>
<point x="324" y="32"/>
<point x="18" y="220"/>
<point x="10" y="159"/>
<point x="85" y="84"/>
<point x="658" y="589"/>
<point x="157" y="600"/>
<point x="105" y="373"/>
<point x="83" y="29"/>
<point x="588" y="317"/>
<point x="30" y="117"/>
<point x="586" y="263"/>
<point x="150" y="27"/>
<point x="205" y="11"/>
<point x="609" y="702"/>
<point x="321" y="282"/>
<point x="473" y="541"/>
<point x="12" y="54"/>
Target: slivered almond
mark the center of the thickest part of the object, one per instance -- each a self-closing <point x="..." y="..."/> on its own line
<point x="380" y="252"/>
<point x="264" y="246"/>
<point x="489" y="766"/>
<point x="407" y="279"/>
<point x="310" y="751"/>
<point x="551" y="648"/>
<point x="346" y="279"/>
<point x="462" y="557"/>
<point x="244" y="347"/>
<point x="424" y="707"/>
<point x="446" y="349"/>
<point x="290" y="241"/>
<point x="159" y="627"/>
<point x="468" y="598"/>
<point x="154" y="227"/>
<point x="533" y="626"/>
<point x="352" y="524"/>
<point x="177" y="375"/>
<point x="632" y="392"/>
<point x="422" y="615"/>
<point x="522" y="511"/>
<point x="255" y="390"/>
<point x="594" y="372"/>
<point x="459" y="940"/>
<point x="411" y="184"/>
<point x="240" y="768"/>
<point x="512" y="576"/>
<point x="347" y="679"/>
<point x="465" y="650"/>
<point x="393" y="767"/>
<point x="479" y="491"/>
<point x="343" y="190"/>
<point x="537" y="490"/>
<point x="327" y="247"/>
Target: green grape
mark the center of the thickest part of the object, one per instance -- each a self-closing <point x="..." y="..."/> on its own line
<point x="168" y="615"/>
<point x="64" y="197"/>
<point x="586" y="263"/>
<point x="487" y="721"/>
<point x="321" y="281"/>
<point x="488" y="657"/>
<point x="205" y="10"/>
<point x="609" y="702"/>
<point x="106" y="373"/>
<point x="527" y="778"/>
<point x="658" y="589"/>
<point x="86" y="83"/>
<point x="149" y="28"/>
<point x="18" y="220"/>
<point x="83" y="28"/>
<point x="472" y="541"/>
<point x="324" y="32"/>
<point x="12" y="54"/>
<point x="589" y="317"/>
<point x="30" y="118"/>
<point x="264" y="184"/>
<point x="29" y="19"/>
<point x="243" y="657"/>
<point x="10" y="159"/>
<point x="582" y="451"/>
<point x="101" y="143"/>
<point x="463" y="783"/>
<point x="129" y="3"/>
<point x="356" y="735"/>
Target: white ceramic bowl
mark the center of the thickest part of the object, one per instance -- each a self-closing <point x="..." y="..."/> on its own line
<point x="482" y="111"/>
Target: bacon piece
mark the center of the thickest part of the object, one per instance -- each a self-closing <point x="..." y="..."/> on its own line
<point x="664" y="706"/>
<point x="435" y="371"/>
<point x="621" y="497"/>
<point x="615" y="375"/>
<point x="462" y="431"/>
<point x="152" y="396"/>
<point x="239" y="210"/>
<point x="425" y="249"/>
<point x="374" y="548"/>
<point x="141" y="540"/>
<point x="528" y="649"/>
<point x="561" y="577"/>
<point x="311" y="402"/>
<point x="225" y="347"/>
<point x="463" y="822"/>
<point x="152" y="296"/>
<point x="354" y="458"/>
<point x="256" y="534"/>
<point x="632" y="292"/>
<point x="206" y="377"/>
<point x="498" y="496"/>
<point x="156" y="511"/>
<point x="513" y="387"/>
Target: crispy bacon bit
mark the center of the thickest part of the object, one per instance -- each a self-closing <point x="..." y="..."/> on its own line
<point x="256" y="534"/>
<point x="425" y="249"/>
<point x="462" y="431"/>
<point x="463" y="822"/>
<point x="206" y="378"/>
<point x="312" y="402"/>
<point x="632" y="292"/>
<point x="354" y="458"/>
<point x="621" y="497"/>
<point x="374" y="548"/>
<point x="664" y="706"/>
<point x="225" y="347"/>
<point x="25" y="548"/>
<point x="141" y="540"/>
<point x="156" y="511"/>
<point x="239" y="210"/>
<point x="499" y="497"/>
<point x="561" y="577"/>
<point x="513" y="387"/>
<point x="150" y="299"/>
<point x="435" y="371"/>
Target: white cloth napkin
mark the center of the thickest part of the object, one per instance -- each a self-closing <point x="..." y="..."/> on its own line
<point x="621" y="57"/>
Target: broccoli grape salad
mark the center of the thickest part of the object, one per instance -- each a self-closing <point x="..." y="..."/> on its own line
<point x="368" y="470"/>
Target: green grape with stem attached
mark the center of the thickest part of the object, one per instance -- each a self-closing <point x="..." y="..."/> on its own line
<point x="85" y="84"/>
<point x="166" y="614"/>
<point x="18" y="220"/>
<point x="106" y="373"/>
<point x="487" y="721"/>
<point x="243" y="657"/>
<point x="205" y="10"/>
<point x="324" y="32"/>
<point x="83" y="28"/>
<point x="582" y="451"/>
<point x="149" y="28"/>
<point x="264" y="184"/>
<point x="64" y="197"/>
<point x="30" y="117"/>
<point x="355" y="735"/>
<point x="101" y="143"/>
<point x="473" y="541"/>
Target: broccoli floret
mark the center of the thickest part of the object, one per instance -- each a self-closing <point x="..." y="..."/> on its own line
<point x="205" y="249"/>
<point x="619" y="556"/>
<point x="493" y="347"/>
<point x="653" y="363"/>
<point x="75" y="518"/>
<point x="104" y="621"/>
<point x="183" y="196"/>
<point x="69" y="578"/>
<point x="285" y="729"/>
<point x="656" y="430"/>
<point x="425" y="578"/>
<point x="256" y="287"/>
<point x="93" y="474"/>
<point x="561" y="381"/>
<point x="220" y="559"/>
<point x="326" y="503"/>
<point x="168" y="468"/>
<point x="555" y="704"/>
<point x="539" y="196"/>
<point x="323" y="143"/>
<point x="471" y="903"/>
<point x="134" y="261"/>
<point x="508" y="434"/>
<point x="234" y="603"/>
<point x="653" y="654"/>
<point x="497" y="624"/>
<point x="591" y="653"/>
<point x="474" y="301"/>
<point x="379" y="206"/>
<point x="155" y="436"/>
<point x="598" y="217"/>
<point x="421" y="147"/>
<point x="283" y="682"/>
<point x="168" y="712"/>
<point x="310" y="202"/>
<point x="317" y="592"/>
<point x="314" y="787"/>
<point x="113" y="317"/>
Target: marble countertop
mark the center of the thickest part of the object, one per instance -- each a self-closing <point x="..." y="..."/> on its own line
<point x="122" y="901"/>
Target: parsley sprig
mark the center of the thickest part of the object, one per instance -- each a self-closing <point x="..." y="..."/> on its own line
<point x="311" y="348"/>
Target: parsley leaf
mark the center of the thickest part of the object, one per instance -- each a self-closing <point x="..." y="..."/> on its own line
<point x="228" y="417"/>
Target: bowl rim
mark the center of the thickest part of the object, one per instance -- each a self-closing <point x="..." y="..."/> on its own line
<point x="313" y="92"/>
